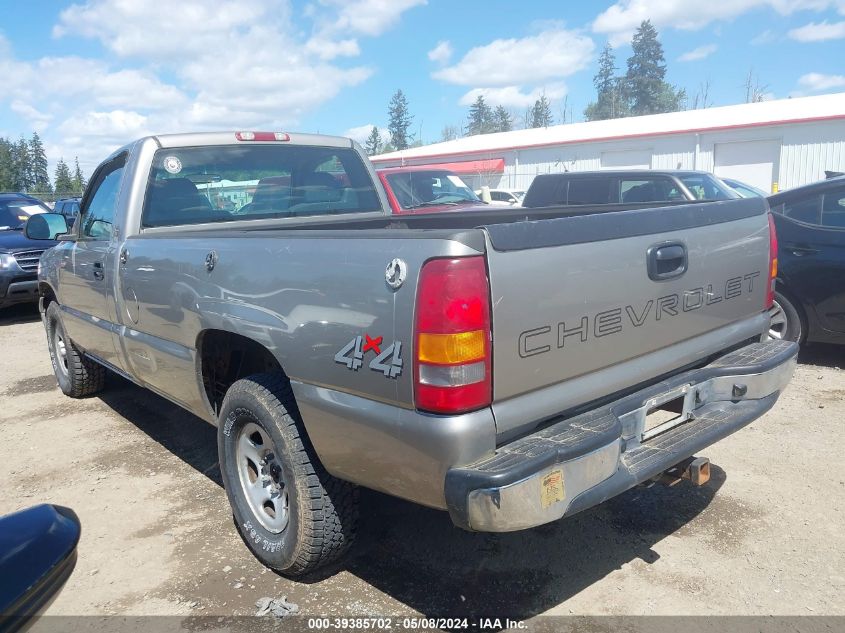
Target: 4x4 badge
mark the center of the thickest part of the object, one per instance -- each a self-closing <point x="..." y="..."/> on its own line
<point x="388" y="362"/>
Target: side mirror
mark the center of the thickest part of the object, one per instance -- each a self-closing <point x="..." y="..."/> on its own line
<point x="37" y="556"/>
<point x="46" y="226"/>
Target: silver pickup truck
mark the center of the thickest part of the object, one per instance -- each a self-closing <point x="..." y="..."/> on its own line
<point x="510" y="366"/>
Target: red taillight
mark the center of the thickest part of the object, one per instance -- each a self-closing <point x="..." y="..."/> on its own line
<point x="452" y="348"/>
<point x="773" y="263"/>
<point x="262" y="136"/>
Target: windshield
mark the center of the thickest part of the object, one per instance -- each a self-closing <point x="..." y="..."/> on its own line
<point x="414" y="189"/>
<point x="15" y="213"/>
<point x="706" y="187"/>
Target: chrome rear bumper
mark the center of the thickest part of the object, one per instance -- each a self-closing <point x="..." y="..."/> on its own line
<point x="578" y="462"/>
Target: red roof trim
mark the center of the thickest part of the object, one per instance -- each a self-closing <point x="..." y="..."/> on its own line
<point x="603" y="139"/>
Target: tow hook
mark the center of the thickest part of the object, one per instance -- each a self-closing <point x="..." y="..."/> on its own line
<point x="695" y="469"/>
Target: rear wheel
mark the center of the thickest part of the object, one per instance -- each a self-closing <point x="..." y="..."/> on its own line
<point x="291" y="513"/>
<point x="77" y="375"/>
<point x="786" y="322"/>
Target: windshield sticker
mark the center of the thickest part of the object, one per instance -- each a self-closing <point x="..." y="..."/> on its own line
<point x="172" y="165"/>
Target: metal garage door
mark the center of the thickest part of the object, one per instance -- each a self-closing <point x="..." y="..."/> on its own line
<point x="752" y="162"/>
<point x="626" y="159"/>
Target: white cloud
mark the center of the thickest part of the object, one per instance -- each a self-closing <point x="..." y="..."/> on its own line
<point x="550" y="54"/>
<point x="514" y="96"/>
<point x="763" y="38"/>
<point x="361" y="132"/>
<point x="817" y="82"/>
<point x="187" y="66"/>
<point x="698" y="53"/>
<point x="820" y="32"/>
<point x="441" y="53"/>
<point x="621" y="19"/>
<point x="39" y="120"/>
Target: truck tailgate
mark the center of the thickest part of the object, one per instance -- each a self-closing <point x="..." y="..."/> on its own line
<point x="578" y="314"/>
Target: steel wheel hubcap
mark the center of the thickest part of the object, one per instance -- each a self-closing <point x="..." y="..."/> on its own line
<point x="262" y="478"/>
<point x="61" y="351"/>
<point x="778" y="323"/>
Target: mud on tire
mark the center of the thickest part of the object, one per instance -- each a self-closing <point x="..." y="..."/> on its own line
<point x="290" y="512"/>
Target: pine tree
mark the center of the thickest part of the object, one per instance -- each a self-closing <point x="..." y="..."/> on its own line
<point x="63" y="180"/>
<point x="22" y="166"/>
<point x="7" y="166"/>
<point x="78" y="179"/>
<point x="645" y="85"/>
<point x="373" y="143"/>
<point x="609" y="103"/>
<point x="541" y="113"/>
<point x="38" y="165"/>
<point x="399" y="121"/>
<point x="480" y="118"/>
<point x="502" y="121"/>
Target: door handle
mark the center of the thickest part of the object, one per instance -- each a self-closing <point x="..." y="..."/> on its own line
<point x="799" y="250"/>
<point x="124" y="256"/>
<point x="99" y="273"/>
<point x="666" y="261"/>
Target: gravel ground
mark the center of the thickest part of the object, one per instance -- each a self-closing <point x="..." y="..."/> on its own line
<point x="765" y="536"/>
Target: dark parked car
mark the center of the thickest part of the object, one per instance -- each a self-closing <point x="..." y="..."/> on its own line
<point x="636" y="186"/>
<point x="68" y="207"/>
<point x="810" y="286"/>
<point x="19" y="255"/>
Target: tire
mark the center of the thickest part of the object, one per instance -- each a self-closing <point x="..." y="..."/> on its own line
<point x="77" y="375"/>
<point x="786" y="321"/>
<point x="290" y="512"/>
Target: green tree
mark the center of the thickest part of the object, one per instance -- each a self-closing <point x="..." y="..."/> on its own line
<point x="373" y="145"/>
<point x="502" y="121"/>
<point x="609" y="103"/>
<point x="480" y="119"/>
<point x="7" y="165"/>
<point x="38" y="165"/>
<point x="78" y="179"/>
<point x="449" y="133"/>
<point x="399" y="121"/>
<point x="541" y="113"/>
<point x="63" y="180"/>
<point x="645" y="85"/>
<point x="22" y="166"/>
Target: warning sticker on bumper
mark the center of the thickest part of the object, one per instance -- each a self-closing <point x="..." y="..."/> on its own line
<point x="551" y="488"/>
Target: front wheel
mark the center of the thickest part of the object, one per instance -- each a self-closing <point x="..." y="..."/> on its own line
<point x="291" y="513"/>
<point x="77" y="375"/>
<point x="785" y="320"/>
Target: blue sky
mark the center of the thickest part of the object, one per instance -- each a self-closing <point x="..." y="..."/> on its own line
<point x="92" y="76"/>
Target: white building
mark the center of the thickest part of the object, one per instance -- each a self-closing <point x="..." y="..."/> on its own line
<point x="773" y="145"/>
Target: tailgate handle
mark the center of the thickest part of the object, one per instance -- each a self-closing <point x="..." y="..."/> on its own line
<point x="667" y="260"/>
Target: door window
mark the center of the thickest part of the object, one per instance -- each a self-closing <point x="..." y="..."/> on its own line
<point x="807" y="210"/>
<point x="98" y="215"/>
<point x="833" y="209"/>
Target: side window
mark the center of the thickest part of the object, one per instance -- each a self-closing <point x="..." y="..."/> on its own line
<point x="98" y="215"/>
<point x="498" y="196"/>
<point x="807" y="210"/>
<point x="833" y="209"/>
<point x="649" y="190"/>
<point x="589" y="191"/>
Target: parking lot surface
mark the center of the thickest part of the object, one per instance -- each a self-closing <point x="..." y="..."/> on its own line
<point x="764" y="536"/>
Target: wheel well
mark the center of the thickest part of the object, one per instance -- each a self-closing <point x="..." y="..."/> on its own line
<point x="226" y="357"/>
<point x="47" y="294"/>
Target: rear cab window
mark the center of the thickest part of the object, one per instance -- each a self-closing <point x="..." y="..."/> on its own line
<point x="649" y="190"/>
<point x="195" y="185"/>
